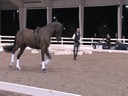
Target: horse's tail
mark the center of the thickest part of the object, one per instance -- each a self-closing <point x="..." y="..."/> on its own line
<point x="9" y="48"/>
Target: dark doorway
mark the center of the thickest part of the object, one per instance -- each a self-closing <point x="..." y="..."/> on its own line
<point x="36" y="18"/>
<point x="69" y="18"/>
<point x="95" y="16"/>
<point x="125" y="22"/>
<point x="9" y="22"/>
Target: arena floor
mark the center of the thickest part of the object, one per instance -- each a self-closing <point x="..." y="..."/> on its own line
<point x="96" y="74"/>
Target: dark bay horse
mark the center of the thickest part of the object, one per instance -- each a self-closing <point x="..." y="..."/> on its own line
<point x="37" y="40"/>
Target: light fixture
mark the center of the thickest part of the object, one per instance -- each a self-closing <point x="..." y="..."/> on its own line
<point x="126" y="6"/>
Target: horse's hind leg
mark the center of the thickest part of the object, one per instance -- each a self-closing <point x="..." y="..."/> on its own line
<point x="18" y="56"/>
<point x="13" y="52"/>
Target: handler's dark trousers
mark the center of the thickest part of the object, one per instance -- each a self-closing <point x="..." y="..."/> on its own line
<point x="75" y="50"/>
<point x="109" y="45"/>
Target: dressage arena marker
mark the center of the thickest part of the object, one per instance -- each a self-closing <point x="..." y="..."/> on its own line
<point x="1" y="48"/>
<point x="34" y="91"/>
<point x="67" y="50"/>
<point x="63" y="50"/>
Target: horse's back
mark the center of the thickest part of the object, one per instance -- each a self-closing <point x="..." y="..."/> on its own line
<point x="25" y="36"/>
<point x="23" y="32"/>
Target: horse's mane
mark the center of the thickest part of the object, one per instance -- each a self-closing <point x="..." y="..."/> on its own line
<point x="54" y="25"/>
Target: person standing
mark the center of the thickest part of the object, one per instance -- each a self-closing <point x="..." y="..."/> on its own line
<point x="108" y="41"/>
<point x="76" y="37"/>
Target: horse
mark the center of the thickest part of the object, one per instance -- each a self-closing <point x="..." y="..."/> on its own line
<point x="39" y="39"/>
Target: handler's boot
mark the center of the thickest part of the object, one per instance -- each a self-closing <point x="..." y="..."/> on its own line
<point x="74" y="58"/>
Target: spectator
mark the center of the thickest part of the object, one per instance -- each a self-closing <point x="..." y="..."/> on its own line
<point x="108" y="41"/>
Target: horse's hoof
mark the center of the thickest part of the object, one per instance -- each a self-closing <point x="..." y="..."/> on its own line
<point x="44" y="70"/>
<point x="10" y="65"/>
<point x="18" y="68"/>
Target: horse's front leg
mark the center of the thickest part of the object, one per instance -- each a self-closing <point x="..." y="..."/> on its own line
<point x="48" y="55"/>
<point x="12" y="60"/>
<point x="43" y="62"/>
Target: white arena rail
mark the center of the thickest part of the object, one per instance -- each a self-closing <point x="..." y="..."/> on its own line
<point x="64" y="40"/>
<point x="65" y="46"/>
<point x="5" y="40"/>
<point x="34" y="91"/>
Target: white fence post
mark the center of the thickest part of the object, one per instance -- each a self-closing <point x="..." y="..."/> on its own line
<point x="123" y="40"/>
<point x="0" y="44"/>
<point x="62" y="41"/>
<point x="0" y="40"/>
<point x="91" y="40"/>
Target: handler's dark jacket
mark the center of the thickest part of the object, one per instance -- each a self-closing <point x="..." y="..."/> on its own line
<point x="77" y="37"/>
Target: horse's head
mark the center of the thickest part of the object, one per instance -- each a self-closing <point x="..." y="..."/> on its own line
<point x="58" y="30"/>
<point x="58" y="36"/>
